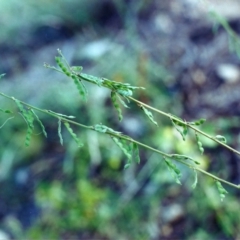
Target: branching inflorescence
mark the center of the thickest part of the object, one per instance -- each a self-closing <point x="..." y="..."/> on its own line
<point x="121" y="94"/>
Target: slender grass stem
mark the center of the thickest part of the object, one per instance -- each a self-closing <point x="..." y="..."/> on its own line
<point x="112" y="134"/>
<point x="185" y="123"/>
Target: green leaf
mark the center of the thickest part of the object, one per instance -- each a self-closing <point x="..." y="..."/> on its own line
<point x="134" y="87"/>
<point x="64" y="68"/>
<point x="29" y="119"/>
<point x="22" y="109"/>
<point x="60" y="131"/>
<point x="221" y="138"/>
<point x="178" y="156"/>
<point x="96" y="80"/>
<point x="40" y="123"/>
<point x="28" y="136"/>
<point x="73" y="134"/>
<point x="135" y="153"/>
<point x="221" y="190"/>
<point x="20" y="106"/>
<point x="63" y="58"/>
<point x="195" y="179"/>
<point x="182" y="131"/>
<point x="174" y="170"/>
<point x="116" y="105"/>
<point x="122" y="102"/>
<point x="104" y="129"/>
<point x="198" y="122"/>
<point x="200" y="147"/>
<point x="185" y="131"/>
<point x="149" y="115"/>
<point x="125" y="146"/>
<point x="124" y="89"/>
<point x="101" y="128"/>
<point x="129" y="149"/>
<point x="177" y="120"/>
<point x="62" y="63"/>
<point x="183" y="157"/>
<point x="81" y="87"/>
<point x="125" y="92"/>
<point x="76" y="68"/>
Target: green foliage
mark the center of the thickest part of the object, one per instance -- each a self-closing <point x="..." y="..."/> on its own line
<point x="130" y="149"/>
<point x="67" y="125"/>
<point x="125" y="143"/>
<point x="60" y="131"/>
<point x="62" y="63"/>
<point x="116" y="105"/>
<point x="182" y="157"/>
<point x="94" y="199"/>
<point x="195" y="179"/>
<point x="135" y="153"/>
<point x="122" y="102"/>
<point x="96" y="80"/>
<point x="198" y="122"/>
<point x="221" y="190"/>
<point x="199" y="143"/>
<point x="81" y="87"/>
<point x="104" y="129"/>
<point x="64" y="68"/>
<point x="29" y="118"/>
<point x="85" y="204"/>
<point x="80" y="204"/>
<point x="221" y="138"/>
<point x="40" y="123"/>
<point x="174" y="170"/>
<point x="183" y="130"/>
<point x="128" y="145"/>
<point x="149" y="115"/>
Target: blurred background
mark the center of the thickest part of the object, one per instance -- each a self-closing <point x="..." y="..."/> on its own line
<point x="185" y="53"/>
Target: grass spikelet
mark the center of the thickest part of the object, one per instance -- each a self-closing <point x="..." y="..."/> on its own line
<point x="40" y="123"/>
<point x="80" y="87"/>
<point x="149" y="115"/>
<point x="60" y="131"/>
<point x="174" y="170"/>
<point x="116" y="105"/>
<point x="222" y="191"/>
<point x="29" y="119"/>
<point x="199" y="143"/>
<point x="74" y="136"/>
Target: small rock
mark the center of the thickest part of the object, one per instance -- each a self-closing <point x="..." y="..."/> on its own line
<point x="228" y="72"/>
<point x="172" y="212"/>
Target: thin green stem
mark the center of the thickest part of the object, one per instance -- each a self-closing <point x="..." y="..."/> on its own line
<point x="185" y="123"/>
<point x="209" y="174"/>
<point x="115" y="134"/>
<point x="153" y="109"/>
<point x="123" y="137"/>
<point x="48" y="112"/>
